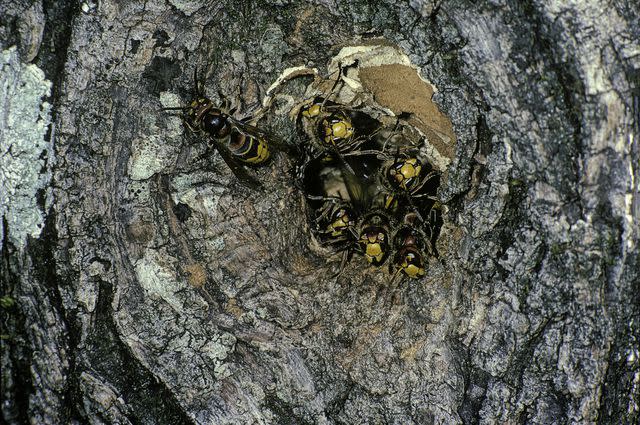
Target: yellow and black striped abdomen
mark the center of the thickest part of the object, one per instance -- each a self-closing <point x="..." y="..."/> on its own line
<point x="249" y="149"/>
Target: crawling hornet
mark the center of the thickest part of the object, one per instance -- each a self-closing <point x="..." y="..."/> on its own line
<point x="336" y="222"/>
<point x="410" y="252"/>
<point x="373" y="237"/>
<point x="237" y="141"/>
<point x="406" y="180"/>
<point x="405" y="173"/>
<point x="334" y="129"/>
<point x="330" y="209"/>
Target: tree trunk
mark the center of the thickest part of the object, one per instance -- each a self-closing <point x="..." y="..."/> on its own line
<point x="142" y="283"/>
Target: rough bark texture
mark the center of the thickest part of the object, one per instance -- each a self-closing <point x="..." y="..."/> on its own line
<point x="159" y="290"/>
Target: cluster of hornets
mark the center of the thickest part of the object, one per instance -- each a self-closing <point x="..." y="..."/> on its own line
<point x="367" y="189"/>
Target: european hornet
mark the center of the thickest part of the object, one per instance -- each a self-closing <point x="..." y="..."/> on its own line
<point x="238" y="142"/>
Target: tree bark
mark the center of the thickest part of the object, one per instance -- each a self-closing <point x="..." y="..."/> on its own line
<point x="143" y="284"/>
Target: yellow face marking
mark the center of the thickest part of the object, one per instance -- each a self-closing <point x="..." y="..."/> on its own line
<point x="404" y="171"/>
<point x="337" y="130"/>
<point x="374" y="251"/>
<point x="409" y="169"/>
<point x="336" y="227"/>
<point x="312" y="111"/>
<point x="339" y="224"/>
<point x="373" y="247"/>
<point x="410" y="268"/>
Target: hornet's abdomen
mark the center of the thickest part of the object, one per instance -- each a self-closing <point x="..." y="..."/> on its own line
<point x="248" y="149"/>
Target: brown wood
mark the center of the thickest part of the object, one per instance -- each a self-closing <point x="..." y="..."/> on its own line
<point x="161" y="290"/>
